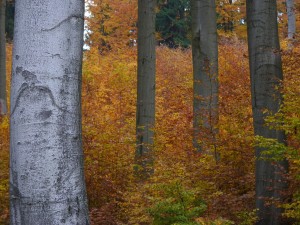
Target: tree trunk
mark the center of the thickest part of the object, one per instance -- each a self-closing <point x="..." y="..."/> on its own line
<point x="266" y="75"/>
<point x="146" y="87"/>
<point x="291" y="21"/>
<point x="3" y="109"/>
<point x="205" y="69"/>
<point x="46" y="174"/>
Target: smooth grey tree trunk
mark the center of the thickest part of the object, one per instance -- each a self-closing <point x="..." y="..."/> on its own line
<point x="205" y="70"/>
<point x="291" y="21"/>
<point x="145" y="116"/>
<point x="46" y="162"/>
<point x="3" y="108"/>
<point x="266" y="75"/>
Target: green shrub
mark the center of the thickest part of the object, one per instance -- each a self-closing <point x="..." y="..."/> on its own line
<point x="177" y="205"/>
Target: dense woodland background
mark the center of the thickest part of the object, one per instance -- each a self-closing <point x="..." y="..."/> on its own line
<point x="186" y="184"/>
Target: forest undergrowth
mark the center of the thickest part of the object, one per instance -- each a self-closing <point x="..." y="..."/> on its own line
<point x="187" y="187"/>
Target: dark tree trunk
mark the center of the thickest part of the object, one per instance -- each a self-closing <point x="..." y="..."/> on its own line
<point x="145" y="88"/>
<point x="266" y="76"/>
<point x="3" y="108"/>
<point x="205" y="69"/>
<point x="291" y="22"/>
<point x="291" y="19"/>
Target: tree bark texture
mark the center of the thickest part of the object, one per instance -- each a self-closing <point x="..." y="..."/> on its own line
<point x="46" y="175"/>
<point x="266" y="76"/>
<point x="145" y="117"/>
<point x="205" y="70"/>
<point x="291" y="19"/>
<point x="3" y="109"/>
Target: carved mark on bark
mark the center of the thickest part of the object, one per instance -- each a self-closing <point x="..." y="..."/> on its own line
<point x="71" y="19"/>
<point x="54" y="55"/>
<point x="29" y="84"/>
<point x="29" y="77"/>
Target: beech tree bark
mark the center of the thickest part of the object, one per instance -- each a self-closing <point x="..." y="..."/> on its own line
<point x="266" y="75"/>
<point x="3" y="108"/>
<point x="145" y="117"/>
<point x="205" y="70"/>
<point x="291" y="19"/>
<point x="46" y="174"/>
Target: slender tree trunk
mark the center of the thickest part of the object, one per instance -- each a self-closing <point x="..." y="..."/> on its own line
<point x="146" y="87"/>
<point x="205" y="68"/>
<point x="46" y="176"/>
<point x="266" y="75"/>
<point x="3" y="109"/>
<point x="291" y="21"/>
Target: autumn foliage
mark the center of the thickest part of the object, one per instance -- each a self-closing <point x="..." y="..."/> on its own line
<point x="109" y="92"/>
<point x="187" y="186"/>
